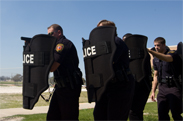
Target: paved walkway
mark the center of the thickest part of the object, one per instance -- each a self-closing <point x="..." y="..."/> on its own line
<point x="37" y="110"/>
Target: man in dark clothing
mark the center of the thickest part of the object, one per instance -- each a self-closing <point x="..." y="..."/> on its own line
<point x="167" y="72"/>
<point x="64" y="104"/>
<point x="143" y="85"/>
<point x="115" y="102"/>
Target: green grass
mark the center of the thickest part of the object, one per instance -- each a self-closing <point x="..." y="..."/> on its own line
<point x="9" y="82"/>
<point x="83" y="97"/>
<point x="6" y="83"/>
<point x="10" y="101"/>
<point x="84" y="115"/>
<point x="150" y="114"/>
<point x="15" y="100"/>
<point x="34" y="117"/>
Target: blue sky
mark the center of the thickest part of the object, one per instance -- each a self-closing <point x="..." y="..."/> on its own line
<point x="78" y="17"/>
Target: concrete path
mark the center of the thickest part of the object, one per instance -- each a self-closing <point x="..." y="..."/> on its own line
<point x="41" y="109"/>
<point x="36" y="110"/>
<point x="16" y="89"/>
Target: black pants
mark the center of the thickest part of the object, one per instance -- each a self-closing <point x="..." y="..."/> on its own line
<point x="64" y="104"/>
<point x="141" y="94"/>
<point x="169" y="98"/>
<point x="116" y="101"/>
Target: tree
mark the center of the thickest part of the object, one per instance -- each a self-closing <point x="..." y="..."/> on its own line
<point x="17" y="78"/>
<point x="3" y="78"/>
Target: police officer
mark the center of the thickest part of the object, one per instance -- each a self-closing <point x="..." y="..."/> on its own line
<point x="167" y="70"/>
<point x="142" y="90"/>
<point x="115" y="102"/>
<point x="64" y="104"/>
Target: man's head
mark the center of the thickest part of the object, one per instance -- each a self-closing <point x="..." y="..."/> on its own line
<point x="159" y="44"/>
<point x="55" y="30"/>
<point x="105" y="23"/>
<point x="126" y="35"/>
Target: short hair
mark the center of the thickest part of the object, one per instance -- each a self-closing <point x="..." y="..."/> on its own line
<point x="56" y="27"/>
<point x="126" y="35"/>
<point x="160" y="40"/>
<point x="106" y="23"/>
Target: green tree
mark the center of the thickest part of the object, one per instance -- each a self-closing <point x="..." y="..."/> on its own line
<point x="17" y="78"/>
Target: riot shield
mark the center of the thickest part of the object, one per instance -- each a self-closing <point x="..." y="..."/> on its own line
<point x="37" y="61"/>
<point x="98" y="54"/>
<point x="139" y="57"/>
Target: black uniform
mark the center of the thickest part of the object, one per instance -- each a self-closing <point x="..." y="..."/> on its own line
<point x="141" y="94"/>
<point x="65" y="101"/>
<point x="169" y="96"/>
<point x="116" y="101"/>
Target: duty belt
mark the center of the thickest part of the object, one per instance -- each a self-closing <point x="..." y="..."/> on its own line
<point x="169" y="82"/>
<point x="64" y="82"/>
<point x="164" y="81"/>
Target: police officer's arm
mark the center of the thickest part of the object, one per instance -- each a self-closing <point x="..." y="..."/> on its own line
<point x="54" y="66"/>
<point x="154" y="85"/>
<point x="161" y="56"/>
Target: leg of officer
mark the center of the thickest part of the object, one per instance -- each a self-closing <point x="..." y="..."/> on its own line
<point x="53" y="111"/>
<point x="115" y="103"/>
<point x="69" y="103"/>
<point x="100" y="110"/>
<point x="175" y="103"/>
<point x="141" y="95"/>
<point x="64" y="104"/>
<point x="120" y="99"/>
<point x="163" y="106"/>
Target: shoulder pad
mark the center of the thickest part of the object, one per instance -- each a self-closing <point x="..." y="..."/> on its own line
<point x="171" y="51"/>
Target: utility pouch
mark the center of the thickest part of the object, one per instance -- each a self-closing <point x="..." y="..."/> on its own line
<point x="78" y="77"/>
<point x="169" y="81"/>
<point x="178" y="82"/>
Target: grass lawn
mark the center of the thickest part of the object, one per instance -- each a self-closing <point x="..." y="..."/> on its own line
<point x="15" y="100"/>
<point x="150" y="114"/>
<point x="84" y="115"/>
<point x="5" y="83"/>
